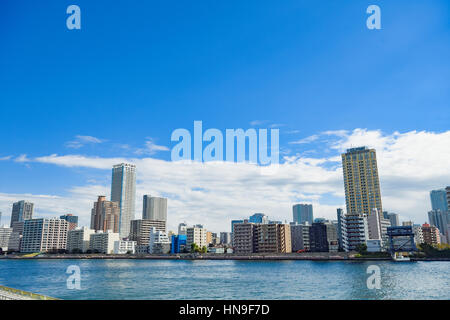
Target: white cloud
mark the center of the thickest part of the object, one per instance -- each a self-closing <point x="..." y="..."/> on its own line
<point x="214" y="193"/>
<point x="306" y="140"/>
<point x="81" y="141"/>
<point x="150" y="148"/>
<point x="5" y="158"/>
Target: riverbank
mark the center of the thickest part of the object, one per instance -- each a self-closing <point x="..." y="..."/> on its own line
<point x="316" y="256"/>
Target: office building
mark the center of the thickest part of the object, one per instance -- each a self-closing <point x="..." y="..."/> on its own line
<point x="18" y="227"/>
<point x="159" y="242"/>
<point x="439" y="200"/>
<point x="197" y="235"/>
<point x="78" y="240"/>
<point x="21" y="211"/>
<point x="154" y="208"/>
<point x="362" y="185"/>
<point x="44" y="235"/>
<point x="123" y="191"/>
<point x="103" y="242"/>
<point x="178" y="244"/>
<point x="71" y="219"/>
<point x="124" y="247"/>
<point x="259" y="218"/>
<point x="182" y="228"/>
<point x="140" y="230"/>
<point x="439" y="219"/>
<point x="303" y="213"/>
<point x="233" y="222"/>
<point x="392" y="217"/>
<point x="105" y="215"/>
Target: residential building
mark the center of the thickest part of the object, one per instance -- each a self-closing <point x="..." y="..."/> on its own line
<point x="159" y="242"/>
<point x="340" y="222"/>
<point x="44" y="235"/>
<point x="225" y="238"/>
<point x="178" y="244"/>
<point x="78" y="239"/>
<point x="243" y="238"/>
<point x="124" y="247"/>
<point x="303" y="213"/>
<point x="318" y="237"/>
<point x="103" y="241"/>
<point x="140" y="230"/>
<point x="18" y="227"/>
<point x="5" y="235"/>
<point x="355" y="231"/>
<point x="123" y="191"/>
<point x="154" y="208"/>
<point x="300" y="237"/>
<point x="71" y="219"/>
<point x="430" y="234"/>
<point x="21" y="211"/>
<point x="197" y="235"/>
<point x="361" y="181"/>
<point x="272" y="238"/>
<point x="105" y="215"/>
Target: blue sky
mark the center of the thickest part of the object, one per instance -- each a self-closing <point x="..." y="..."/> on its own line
<point x="138" y="70"/>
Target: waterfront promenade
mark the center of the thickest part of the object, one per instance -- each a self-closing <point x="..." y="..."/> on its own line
<point x="7" y="293"/>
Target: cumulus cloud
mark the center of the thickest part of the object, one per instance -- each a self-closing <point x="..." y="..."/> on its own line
<point x="410" y="165"/>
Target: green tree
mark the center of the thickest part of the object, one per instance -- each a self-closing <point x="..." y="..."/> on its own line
<point x="361" y="248"/>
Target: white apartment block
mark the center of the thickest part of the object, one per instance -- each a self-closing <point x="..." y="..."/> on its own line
<point x="43" y="235"/>
<point x="78" y="239"/>
<point x="124" y="247"/>
<point x="197" y="235"/>
<point x="159" y="242"/>
<point x="103" y="242"/>
<point x="355" y="231"/>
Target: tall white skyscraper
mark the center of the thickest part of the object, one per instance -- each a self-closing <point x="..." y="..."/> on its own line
<point x="123" y="191"/>
<point x="155" y="208"/>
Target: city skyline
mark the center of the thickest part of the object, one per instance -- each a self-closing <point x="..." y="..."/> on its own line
<point x="254" y="66"/>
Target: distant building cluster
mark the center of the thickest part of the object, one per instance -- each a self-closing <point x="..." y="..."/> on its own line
<point x="114" y="230"/>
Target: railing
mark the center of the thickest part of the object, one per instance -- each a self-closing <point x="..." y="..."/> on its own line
<point x="10" y="293"/>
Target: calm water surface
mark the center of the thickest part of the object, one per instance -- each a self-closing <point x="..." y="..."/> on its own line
<point x="168" y="279"/>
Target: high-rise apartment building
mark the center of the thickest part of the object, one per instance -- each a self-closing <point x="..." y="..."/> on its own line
<point x="392" y="217"/>
<point x="42" y="235"/>
<point x="273" y="238"/>
<point x="303" y="213"/>
<point x="105" y="215"/>
<point x="21" y="211"/>
<point x="439" y="200"/>
<point x="243" y="238"/>
<point x="362" y="185"/>
<point x="155" y="208"/>
<point x="123" y="191"/>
